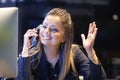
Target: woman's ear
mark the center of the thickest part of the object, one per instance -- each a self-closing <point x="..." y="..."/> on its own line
<point x="63" y="40"/>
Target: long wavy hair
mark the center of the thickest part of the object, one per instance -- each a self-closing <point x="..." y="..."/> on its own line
<point x="67" y="55"/>
<point x="67" y="51"/>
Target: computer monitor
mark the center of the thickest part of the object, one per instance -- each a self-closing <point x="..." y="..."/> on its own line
<point x="8" y="42"/>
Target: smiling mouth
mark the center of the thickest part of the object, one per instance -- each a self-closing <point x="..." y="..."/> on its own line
<point x="46" y="37"/>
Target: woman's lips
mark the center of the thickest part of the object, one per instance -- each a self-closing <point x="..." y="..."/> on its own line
<point x="46" y="37"/>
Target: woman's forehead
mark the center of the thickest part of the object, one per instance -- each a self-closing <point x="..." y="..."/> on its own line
<point x="52" y="19"/>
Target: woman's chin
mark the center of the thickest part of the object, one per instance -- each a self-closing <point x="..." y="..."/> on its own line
<point x="45" y="42"/>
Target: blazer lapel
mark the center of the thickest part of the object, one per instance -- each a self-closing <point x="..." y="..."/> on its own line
<point x="41" y="72"/>
<point x="43" y="67"/>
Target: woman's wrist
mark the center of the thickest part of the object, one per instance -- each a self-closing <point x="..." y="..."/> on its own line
<point x="92" y="56"/>
<point x="25" y="52"/>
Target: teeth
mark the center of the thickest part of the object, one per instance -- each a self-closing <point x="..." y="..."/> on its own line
<point x="46" y="37"/>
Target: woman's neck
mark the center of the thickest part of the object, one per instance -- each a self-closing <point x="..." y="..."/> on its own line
<point x="52" y="54"/>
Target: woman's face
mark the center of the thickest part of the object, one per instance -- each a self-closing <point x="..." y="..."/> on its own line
<point x="52" y="32"/>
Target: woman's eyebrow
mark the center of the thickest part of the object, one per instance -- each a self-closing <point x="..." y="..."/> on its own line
<point x="53" y="26"/>
<point x="45" y="23"/>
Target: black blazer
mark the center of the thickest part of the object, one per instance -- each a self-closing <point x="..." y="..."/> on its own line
<point x="84" y="67"/>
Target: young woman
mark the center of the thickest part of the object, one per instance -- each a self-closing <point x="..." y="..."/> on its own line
<point x="54" y="57"/>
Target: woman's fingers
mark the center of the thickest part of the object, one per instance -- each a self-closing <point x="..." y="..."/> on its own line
<point x="95" y="32"/>
<point x="31" y="32"/>
<point x="92" y="30"/>
<point x="92" y="27"/>
<point x="83" y="37"/>
<point x="88" y="42"/>
<point x="27" y="37"/>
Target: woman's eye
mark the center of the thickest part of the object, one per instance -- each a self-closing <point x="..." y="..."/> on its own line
<point x="44" y="26"/>
<point x="53" y="30"/>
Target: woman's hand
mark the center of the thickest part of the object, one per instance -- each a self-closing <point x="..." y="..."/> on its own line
<point x="27" y="41"/>
<point x="88" y="42"/>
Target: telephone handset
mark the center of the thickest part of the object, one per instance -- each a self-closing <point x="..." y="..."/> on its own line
<point x="35" y="39"/>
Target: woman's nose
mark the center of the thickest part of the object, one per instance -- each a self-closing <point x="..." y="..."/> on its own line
<point x="47" y="30"/>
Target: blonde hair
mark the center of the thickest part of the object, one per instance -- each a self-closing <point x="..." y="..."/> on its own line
<point x="68" y="57"/>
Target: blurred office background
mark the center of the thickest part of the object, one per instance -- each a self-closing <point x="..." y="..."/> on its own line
<point x="106" y="14"/>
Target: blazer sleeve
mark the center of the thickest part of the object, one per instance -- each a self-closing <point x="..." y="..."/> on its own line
<point x="86" y="67"/>
<point x="24" y="69"/>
